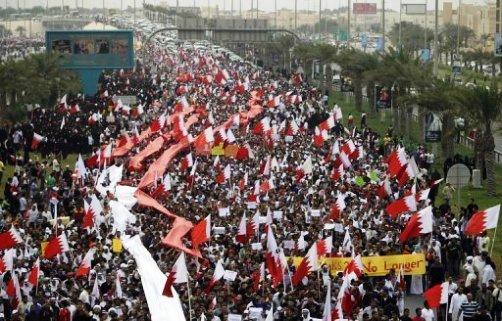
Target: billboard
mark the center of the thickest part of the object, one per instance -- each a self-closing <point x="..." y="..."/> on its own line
<point x="415" y="8"/>
<point x="498" y="45"/>
<point x="89" y="52"/>
<point x="383" y="97"/>
<point x="432" y="127"/>
<point x="364" y="8"/>
<point x="100" y="49"/>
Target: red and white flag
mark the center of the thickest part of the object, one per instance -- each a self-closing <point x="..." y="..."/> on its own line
<point x="402" y="205"/>
<point x="219" y="271"/>
<point x="7" y="261"/>
<point x="204" y="140"/>
<point x="56" y="246"/>
<point x="273" y="259"/>
<point x="186" y="162"/>
<point x="258" y="277"/>
<point x="37" y="139"/>
<point x="325" y="246"/>
<point x="328" y="123"/>
<point x="178" y="274"/>
<point x="420" y="223"/>
<point x="92" y="211"/>
<point x="308" y="264"/>
<point x="223" y="176"/>
<point x="337" y="173"/>
<point x="13" y="290"/>
<point x="406" y="173"/>
<point x="201" y="232"/>
<point x="423" y="195"/>
<point x="273" y="101"/>
<point x="437" y="295"/>
<point x="292" y="128"/>
<point x="355" y="268"/>
<point x="337" y="207"/>
<point x="483" y="220"/>
<point x="85" y="266"/>
<point x="344" y="158"/>
<point x="262" y="127"/>
<point x="163" y="187"/>
<point x="253" y="226"/>
<point x="242" y="236"/>
<point x="384" y="189"/>
<point x="10" y="239"/>
<point x="34" y="274"/>
<point x="396" y="160"/>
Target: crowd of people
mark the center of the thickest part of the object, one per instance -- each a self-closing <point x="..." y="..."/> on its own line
<point x="14" y="47"/>
<point x="254" y="145"/>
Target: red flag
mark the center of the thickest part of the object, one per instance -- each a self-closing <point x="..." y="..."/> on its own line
<point x="405" y="204"/>
<point x="34" y="274"/>
<point x="483" y="220"/>
<point x="437" y="295"/>
<point x="10" y="239"/>
<point x="419" y="223"/>
<point x="201" y="232"/>
<point x="57" y="245"/>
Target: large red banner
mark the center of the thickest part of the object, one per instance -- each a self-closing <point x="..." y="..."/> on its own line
<point x="364" y="8"/>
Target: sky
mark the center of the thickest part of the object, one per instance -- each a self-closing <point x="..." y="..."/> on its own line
<point x="267" y="5"/>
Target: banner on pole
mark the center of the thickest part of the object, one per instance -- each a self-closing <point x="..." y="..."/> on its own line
<point x="364" y="8"/>
<point x="415" y="8"/>
<point x="498" y="45"/>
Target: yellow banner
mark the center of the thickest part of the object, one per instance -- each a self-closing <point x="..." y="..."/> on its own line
<point x="413" y="264"/>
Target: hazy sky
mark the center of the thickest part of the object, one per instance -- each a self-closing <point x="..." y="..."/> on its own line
<point x="267" y="5"/>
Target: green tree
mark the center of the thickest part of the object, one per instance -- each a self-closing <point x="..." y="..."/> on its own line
<point x="448" y="38"/>
<point x="21" y="31"/>
<point x="4" y="32"/>
<point x="36" y="80"/>
<point x="438" y="97"/>
<point x="412" y="36"/>
<point x="355" y="64"/>
<point x="483" y="105"/>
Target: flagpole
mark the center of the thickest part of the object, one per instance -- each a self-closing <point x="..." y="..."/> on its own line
<point x="493" y="241"/>
<point x="189" y="299"/>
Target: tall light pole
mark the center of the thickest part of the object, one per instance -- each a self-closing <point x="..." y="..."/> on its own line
<point x="348" y="21"/>
<point x="458" y="26"/>
<point x="320" y="16"/>
<point x="436" y="42"/>
<point x="383" y="25"/>
<point x="275" y="13"/>
<point x="400" y="21"/>
<point x="296" y="14"/>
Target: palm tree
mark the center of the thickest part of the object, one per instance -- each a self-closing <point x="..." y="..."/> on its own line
<point x="355" y="63"/>
<point x="484" y="106"/>
<point x="399" y="71"/>
<point x="438" y="97"/>
<point x="325" y="54"/>
<point x="21" y="31"/>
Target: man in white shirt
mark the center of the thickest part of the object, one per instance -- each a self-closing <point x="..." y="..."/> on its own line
<point x="487" y="274"/>
<point x="427" y="313"/>
<point x="456" y="301"/>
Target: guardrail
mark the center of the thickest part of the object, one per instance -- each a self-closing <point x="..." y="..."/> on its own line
<point x="464" y="140"/>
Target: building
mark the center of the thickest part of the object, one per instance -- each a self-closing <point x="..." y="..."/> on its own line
<point x="498" y="17"/>
<point x="480" y="18"/>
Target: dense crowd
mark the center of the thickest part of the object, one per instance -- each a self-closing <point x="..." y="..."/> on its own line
<point x="14" y="47"/>
<point x="267" y="156"/>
